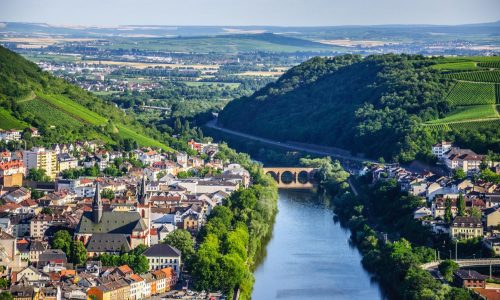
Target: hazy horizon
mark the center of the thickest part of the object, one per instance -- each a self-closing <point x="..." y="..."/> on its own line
<point x="282" y="13"/>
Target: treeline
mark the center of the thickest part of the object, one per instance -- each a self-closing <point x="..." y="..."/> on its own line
<point x="371" y="105"/>
<point x="235" y="233"/>
<point x="392" y="243"/>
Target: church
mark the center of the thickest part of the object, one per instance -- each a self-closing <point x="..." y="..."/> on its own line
<point x="114" y="231"/>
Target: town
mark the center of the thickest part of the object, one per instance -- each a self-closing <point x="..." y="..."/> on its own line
<point x="79" y="220"/>
<point x="464" y="205"/>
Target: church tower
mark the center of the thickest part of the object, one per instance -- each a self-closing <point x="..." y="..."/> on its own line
<point x="97" y="205"/>
<point x="142" y="196"/>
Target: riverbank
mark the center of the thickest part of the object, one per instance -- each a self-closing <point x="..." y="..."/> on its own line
<point x="395" y="261"/>
<point x="235" y="233"/>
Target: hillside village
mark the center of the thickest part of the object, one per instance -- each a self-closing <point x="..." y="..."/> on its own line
<point x="464" y="204"/>
<point x="66" y="232"/>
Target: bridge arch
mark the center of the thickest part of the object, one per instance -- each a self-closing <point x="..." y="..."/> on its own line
<point x="292" y="177"/>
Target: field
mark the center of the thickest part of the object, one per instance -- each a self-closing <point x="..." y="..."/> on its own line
<point x="144" y="65"/>
<point x="261" y="73"/>
<point x="76" y="110"/>
<point x="49" y="114"/>
<point x="479" y="76"/>
<point x="456" y="66"/>
<point x="7" y="121"/>
<point x="212" y="84"/>
<point x="471" y="93"/>
<point x="476" y="112"/>
<point x="142" y="140"/>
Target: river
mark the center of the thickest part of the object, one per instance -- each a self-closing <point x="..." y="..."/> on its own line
<point x="309" y="255"/>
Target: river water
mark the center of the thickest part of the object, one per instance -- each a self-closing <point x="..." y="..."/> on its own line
<point x="309" y="256"/>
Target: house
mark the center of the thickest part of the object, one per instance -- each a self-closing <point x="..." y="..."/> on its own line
<point x="438" y="207"/>
<point x="53" y="259"/>
<point x="492" y="216"/>
<point x="10" y="135"/>
<point x="18" y="195"/>
<point x="421" y="212"/>
<point x="465" y="159"/>
<point x="41" y="223"/>
<point x="466" y="228"/>
<point x="11" y="173"/>
<point x="32" y="275"/>
<point x="440" y="149"/>
<point x="23" y="291"/>
<point x="162" y="256"/>
<point x="469" y="279"/>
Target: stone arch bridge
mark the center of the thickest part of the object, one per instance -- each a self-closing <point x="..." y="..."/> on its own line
<point x="292" y="177"/>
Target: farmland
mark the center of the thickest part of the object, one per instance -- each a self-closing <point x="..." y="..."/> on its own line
<point x="490" y="64"/>
<point x="471" y="93"/>
<point x="479" y="76"/>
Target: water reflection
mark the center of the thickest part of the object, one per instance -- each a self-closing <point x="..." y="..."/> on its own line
<point x="309" y="255"/>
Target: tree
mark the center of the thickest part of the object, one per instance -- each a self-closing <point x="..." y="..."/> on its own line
<point x="182" y="240"/>
<point x="448" y="216"/>
<point x="37" y="175"/>
<point x="62" y="240"/>
<point x="78" y="253"/>
<point x="461" y="205"/>
<point x="141" y="264"/>
<point x="447" y="268"/>
<point x="475" y="212"/>
<point x="108" y="194"/>
<point x="47" y="211"/>
<point x="4" y="283"/>
<point x="459" y="174"/>
<point x="6" y="296"/>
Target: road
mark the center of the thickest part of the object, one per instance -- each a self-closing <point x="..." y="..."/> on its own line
<point x="303" y="147"/>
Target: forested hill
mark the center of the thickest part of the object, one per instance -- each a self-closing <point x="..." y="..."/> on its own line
<point x="62" y="112"/>
<point x="378" y="105"/>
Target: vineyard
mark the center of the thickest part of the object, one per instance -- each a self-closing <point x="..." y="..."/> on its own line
<point x="456" y="66"/>
<point x="74" y="109"/>
<point x="479" y="76"/>
<point x="470" y="93"/>
<point x="142" y="140"/>
<point x="464" y="113"/>
<point x="497" y="92"/>
<point x="49" y="114"/>
<point x="471" y="125"/>
<point x="490" y="64"/>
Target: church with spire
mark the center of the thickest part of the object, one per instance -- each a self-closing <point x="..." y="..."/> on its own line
<point x="113" y="231"/>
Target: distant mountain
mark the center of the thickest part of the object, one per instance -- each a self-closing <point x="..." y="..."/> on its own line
<point x="391" y="106"/>
<point x="318" y="32"/>
<point x="61" y="111"/>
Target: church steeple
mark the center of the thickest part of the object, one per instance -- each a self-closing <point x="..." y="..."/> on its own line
<point x="97" y="205"/>
<point x="142" y="196"/>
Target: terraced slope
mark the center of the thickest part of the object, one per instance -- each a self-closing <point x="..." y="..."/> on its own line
<point x="63" y="112"/>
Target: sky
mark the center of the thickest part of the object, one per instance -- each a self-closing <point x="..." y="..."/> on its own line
<point x="249" y="12"/>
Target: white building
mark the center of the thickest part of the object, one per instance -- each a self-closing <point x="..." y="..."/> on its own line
<point x="440" y="149"/>
<point x="163" y="256"/>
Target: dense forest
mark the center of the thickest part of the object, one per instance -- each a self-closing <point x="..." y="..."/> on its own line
<point x="374" y="105"/>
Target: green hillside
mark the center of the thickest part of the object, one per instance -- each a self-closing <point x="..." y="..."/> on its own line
<point x="394" y="106"/>
<point x="62" y="112"/>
